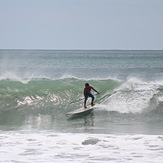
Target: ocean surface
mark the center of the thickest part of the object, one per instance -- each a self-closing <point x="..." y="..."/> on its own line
<point x="38" y="88"/>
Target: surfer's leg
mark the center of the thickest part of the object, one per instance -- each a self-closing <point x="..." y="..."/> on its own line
<point x="85" y="104"/>
<point x="92" y="102"/>
<point x="85" y="101"/>
<point x="92" y="99"/>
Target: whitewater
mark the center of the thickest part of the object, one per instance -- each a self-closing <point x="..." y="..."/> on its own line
<point x="37" y="88"/>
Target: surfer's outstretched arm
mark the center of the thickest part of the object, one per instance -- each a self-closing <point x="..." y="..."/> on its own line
<point x="95" y="90"/>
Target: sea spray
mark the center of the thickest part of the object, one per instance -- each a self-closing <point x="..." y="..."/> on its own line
<point x="133" y="96"/>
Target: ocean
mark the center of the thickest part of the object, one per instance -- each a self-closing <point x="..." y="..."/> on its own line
<point x="38" y="88"/>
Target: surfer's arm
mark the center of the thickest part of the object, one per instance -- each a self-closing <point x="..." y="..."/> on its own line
<point x="95" y="90"/>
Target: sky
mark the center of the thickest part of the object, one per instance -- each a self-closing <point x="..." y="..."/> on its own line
<point x="81" y="24"/>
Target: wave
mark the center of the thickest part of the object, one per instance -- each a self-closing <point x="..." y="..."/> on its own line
<point x="131" y="96"/>
<point x="135" y="96"/>
<point x="43" y="103"/>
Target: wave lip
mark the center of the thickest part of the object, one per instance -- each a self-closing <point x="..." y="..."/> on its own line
<point x="134" y="96"/>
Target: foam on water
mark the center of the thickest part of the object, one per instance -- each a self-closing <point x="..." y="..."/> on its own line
<point x="134" y="96"/>
<point x="72" y="147"/>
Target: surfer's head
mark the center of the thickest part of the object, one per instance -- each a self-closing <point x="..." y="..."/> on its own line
<point x="86" y="84"/>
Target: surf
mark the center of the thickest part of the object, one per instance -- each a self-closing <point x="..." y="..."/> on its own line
<point x="43" y="103"/>
<point x="132" y="95"/>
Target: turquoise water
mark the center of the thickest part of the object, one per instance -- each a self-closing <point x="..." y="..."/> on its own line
<point x="38" y="86"/>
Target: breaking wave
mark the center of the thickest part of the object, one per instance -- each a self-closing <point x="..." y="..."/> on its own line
<point x="131" y="96"/>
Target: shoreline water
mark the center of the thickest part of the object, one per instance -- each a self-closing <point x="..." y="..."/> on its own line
<point x="67" y="147"/>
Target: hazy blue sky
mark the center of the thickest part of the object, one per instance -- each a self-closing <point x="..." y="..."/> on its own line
<point x="81" y="24"/>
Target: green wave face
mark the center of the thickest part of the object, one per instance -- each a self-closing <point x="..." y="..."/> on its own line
<point x="44" y="102"/>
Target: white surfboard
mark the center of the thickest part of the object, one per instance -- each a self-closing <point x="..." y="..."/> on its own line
<point x="82" y="111"/>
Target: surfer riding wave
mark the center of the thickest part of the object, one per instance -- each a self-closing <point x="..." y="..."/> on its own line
<point x="87" y="93"/>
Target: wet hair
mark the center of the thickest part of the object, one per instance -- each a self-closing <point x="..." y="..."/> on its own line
<point x="86" y="84"/>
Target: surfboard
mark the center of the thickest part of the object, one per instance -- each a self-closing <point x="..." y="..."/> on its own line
<point x="82" y="111"/>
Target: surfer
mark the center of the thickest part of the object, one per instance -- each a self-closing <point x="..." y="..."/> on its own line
<point x="87" y="93"/>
